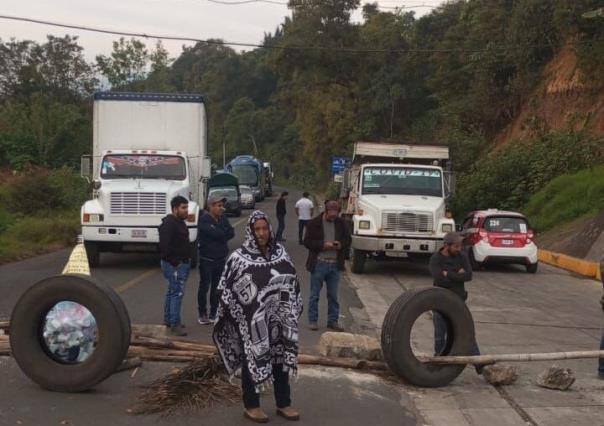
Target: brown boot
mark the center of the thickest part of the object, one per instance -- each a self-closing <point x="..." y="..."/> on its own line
<point x="288" y="413"/>
<point x="256" y="415"/>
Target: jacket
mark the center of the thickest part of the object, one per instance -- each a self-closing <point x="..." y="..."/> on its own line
<point x="213" y="237"/>
<point x="174" y="246"/>
<point x="314" y="240"/>
<point x="454" y="280"/>
<point x="281" y="210"/>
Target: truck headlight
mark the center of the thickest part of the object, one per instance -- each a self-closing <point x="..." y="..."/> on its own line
<point x="364" y="224"/>
<point x="92" y="217"/>
<point x="446" y="228"/>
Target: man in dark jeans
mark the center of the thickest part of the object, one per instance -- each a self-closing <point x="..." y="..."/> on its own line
<point x="450" y="268"/>
<point x="281" y="212"/>
<point x="175" y="253"/>
<point x="327" y="239"/>
<point x="214" y="232"/>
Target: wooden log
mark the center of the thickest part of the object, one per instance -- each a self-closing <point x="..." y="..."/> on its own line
<point x="147" y="352"/>
<point x="171" y="344"/>
<point x="357" y="364"/>
<point x="492" y="359"/>
<point x="129" y="364"/>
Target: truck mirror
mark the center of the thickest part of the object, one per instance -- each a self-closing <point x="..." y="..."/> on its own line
<point x="206" y="168"/>
<point x="86" y="167"/>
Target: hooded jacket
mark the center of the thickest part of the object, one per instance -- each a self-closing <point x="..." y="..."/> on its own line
<point x="260" y="305"/>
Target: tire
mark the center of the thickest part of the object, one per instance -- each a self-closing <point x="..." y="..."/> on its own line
<point x="475" y="264"/>
<point x="357" y="261"/>
<point x="396" y="335"/>
<point x="194" y="255"/>
<point x="93" y="253"/>
<point x="532" y="268"/>
<point x="32" y="355"/>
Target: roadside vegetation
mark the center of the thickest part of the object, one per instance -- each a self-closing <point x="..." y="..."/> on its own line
<point x="39" y="211"/>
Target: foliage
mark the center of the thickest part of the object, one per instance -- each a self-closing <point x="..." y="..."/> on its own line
<point x="566" y="198"/>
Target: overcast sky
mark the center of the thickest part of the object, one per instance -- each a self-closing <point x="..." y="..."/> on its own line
<point x="188" y="18"/>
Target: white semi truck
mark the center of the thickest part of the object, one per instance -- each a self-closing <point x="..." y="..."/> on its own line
<point x="394" y="197"/>
<point x="147" y="149"/>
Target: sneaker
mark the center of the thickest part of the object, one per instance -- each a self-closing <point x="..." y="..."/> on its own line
<point x="204" y="320"/>
<point x="213" y="319"/>
<point x="334" y="326"/>
<point x="313" y="326"/>
<point x="178" y="331"/>
<point x="288" y="413"/>
<point x="256" y="415"/>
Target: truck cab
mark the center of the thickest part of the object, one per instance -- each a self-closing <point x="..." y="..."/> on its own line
<point x="395" y="201"/>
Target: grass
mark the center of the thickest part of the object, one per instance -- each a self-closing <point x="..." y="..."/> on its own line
<point x="30" y="236"/>
<point x="567" y="198"/>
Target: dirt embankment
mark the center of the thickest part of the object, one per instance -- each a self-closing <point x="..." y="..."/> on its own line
<point x="563" y="100"/>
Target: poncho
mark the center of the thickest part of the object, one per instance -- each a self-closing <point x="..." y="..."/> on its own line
<point x="260" y="305"/>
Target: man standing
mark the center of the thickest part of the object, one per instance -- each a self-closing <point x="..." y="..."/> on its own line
<point x="214" y="232"/>
<point x="451" y="269"/>
<point x="601" y="360"/>
<point x="327" y="239"/>
<point x="175" y="253"/>
<point x="304" y="210"/>
<point x="257" y="327"/>
<point x="281" y="212"/>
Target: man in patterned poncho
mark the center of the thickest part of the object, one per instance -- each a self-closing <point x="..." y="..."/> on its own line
<point x="257" y="327"/>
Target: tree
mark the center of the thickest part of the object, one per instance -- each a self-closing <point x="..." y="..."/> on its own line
<point x="126" y="65"/>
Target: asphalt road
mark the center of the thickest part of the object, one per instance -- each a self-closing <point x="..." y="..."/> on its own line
<point x="324" y="396"/>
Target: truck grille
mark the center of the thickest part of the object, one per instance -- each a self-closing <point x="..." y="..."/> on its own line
<point x="407" y="222"/>
<point x="138" y="203"/>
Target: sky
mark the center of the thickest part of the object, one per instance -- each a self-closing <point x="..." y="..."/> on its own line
<point x="199" y="19"/>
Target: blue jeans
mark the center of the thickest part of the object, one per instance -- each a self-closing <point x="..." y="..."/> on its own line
<point x="280" y="228"/>
<point x="601" y="362"/>
<point x="301" y="225"/>
<point x="210" y="272"/>
<point x="328" y="273"/>
<point x="177" y="278"/>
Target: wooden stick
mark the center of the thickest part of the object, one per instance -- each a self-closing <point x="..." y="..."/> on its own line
<point x="357" y="364"/>
<point x="146" y="353"/>
<point x="169" y="344"/>
<point x="129" y="364"/>
<point x="492" y="359"/>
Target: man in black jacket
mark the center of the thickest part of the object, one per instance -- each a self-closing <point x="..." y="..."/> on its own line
<point x="175" y="261"/>
<point x="214" y="232"/>
<point x="327" y="239"/>
<point x="451" y="269"/>
<point x="281" y="212"/>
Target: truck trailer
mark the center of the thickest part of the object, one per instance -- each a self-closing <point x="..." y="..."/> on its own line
<point x="147" y="149"/>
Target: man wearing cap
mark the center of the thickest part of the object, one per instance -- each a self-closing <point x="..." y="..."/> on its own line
<point x="450" y="269"/>
<point x="327" y="240"/>
<point x="214" y="232"/>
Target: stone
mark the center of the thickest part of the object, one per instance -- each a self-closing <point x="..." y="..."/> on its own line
<point x="500" y="375"/>
<point x="556" y="378"/>
<point x="348" y="345"/>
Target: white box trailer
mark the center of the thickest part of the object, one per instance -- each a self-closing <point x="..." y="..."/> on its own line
<point x="395" y="199"/>
<point x="147" y="149"/>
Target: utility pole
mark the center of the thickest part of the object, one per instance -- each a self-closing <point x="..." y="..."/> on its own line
<point x="223" y="150"/>
<point x="255" y="146"/>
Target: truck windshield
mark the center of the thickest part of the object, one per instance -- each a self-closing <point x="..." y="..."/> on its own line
<point x="132" y="166"/>
<point x="247" y="175"/>
<point x="402" y="181"/>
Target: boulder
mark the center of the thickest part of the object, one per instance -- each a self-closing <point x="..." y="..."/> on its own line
<point x="556" y="378"/>
<point x="500" y="375"/>
<point x="348" y="345"/>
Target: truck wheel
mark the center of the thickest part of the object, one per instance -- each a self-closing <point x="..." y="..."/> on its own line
<point x="93" y="253"/>
<point x="49" y="367"/>
<point x="194" y="255"/>
<point x="396" y="335"/>
<point x="357" y="261"/>
<point x="532" y="268"/>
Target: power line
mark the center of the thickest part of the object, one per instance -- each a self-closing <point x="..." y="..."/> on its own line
<point x="251" y="45"/>
<point x="244" y="2"/>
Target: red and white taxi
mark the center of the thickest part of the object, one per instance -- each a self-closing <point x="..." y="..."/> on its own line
<point x="493" y="236"/>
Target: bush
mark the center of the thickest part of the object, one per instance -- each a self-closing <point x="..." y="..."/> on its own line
<point x="6" y="220"/>
<point x="566" y="198"/>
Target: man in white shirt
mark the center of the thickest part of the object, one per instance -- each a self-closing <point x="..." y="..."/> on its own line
<point x="304" y="210"/>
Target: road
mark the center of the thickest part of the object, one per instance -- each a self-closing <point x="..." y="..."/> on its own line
<point x="359" y="398"/>
<point x="514" y="312"/>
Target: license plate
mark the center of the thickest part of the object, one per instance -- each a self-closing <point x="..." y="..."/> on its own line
<point x="139" y="233"/>
<point x="507" y="242"/>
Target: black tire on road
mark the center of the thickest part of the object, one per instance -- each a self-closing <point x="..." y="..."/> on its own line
<point x="93" y="253"/>
<point x="357" y="261"/>
<point x="396" y="335"/>
<point x="473" y="262"/>
<point x="31" y="353"/>
<point x="532" y="268"/>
